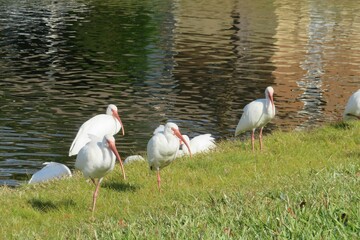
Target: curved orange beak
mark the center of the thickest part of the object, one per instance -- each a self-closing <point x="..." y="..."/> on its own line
<point x="114" y="150"/>
<point x="272" y="102"/>
<point x="116" y="115"/>
<point x="178" y="134"/>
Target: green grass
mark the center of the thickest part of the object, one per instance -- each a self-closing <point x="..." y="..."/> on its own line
<point x="303" y="185"/>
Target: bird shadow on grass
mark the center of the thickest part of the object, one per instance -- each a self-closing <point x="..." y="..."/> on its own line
<point x="341" y="125"/>
<point x="120" y="187"/>
<point x="354" y="154"/>
<point x="48" y="205"/>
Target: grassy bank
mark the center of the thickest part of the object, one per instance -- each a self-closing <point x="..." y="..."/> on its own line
<point x="304" y="185"/>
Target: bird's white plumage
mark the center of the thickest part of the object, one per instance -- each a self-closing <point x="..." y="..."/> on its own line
<point x="159" y="129"/>
<point x="52" y="170"/>
<point x="99" y="126"/>
<point x="133" y="158"/>
<point x="198" y="144"/>
<point x="256" y="114"/>
<point x="163" y="147"/>
<point x="352" y="109"/>
<point x="96" y="159"/>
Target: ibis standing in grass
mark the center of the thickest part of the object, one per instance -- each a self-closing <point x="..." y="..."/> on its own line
<point x="99" y="126"/>
<point x="96" y="159"/>
<point x="256" y="115"/>
<point x="163" y="147"/>
<point x="352" y="109"/>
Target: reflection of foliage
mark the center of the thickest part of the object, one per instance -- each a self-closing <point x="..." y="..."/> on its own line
<point x="117" y="36"/>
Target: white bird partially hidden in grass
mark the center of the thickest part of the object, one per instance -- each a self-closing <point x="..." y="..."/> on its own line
<point x="256" y="115"/>
<point x="133" y="158"/>
<point x="198" y="144"/>
<point x="51" y="171"/>
<point x="96" y="159"/>
<point x="352" y="109"/>
<point x="99" y="126"/>
<point x="163" y="147"/>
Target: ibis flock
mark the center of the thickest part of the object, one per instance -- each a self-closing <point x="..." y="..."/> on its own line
<point x="96" y="151"/>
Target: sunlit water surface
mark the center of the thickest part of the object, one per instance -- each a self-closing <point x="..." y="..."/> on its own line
<point x="197" y="63"/>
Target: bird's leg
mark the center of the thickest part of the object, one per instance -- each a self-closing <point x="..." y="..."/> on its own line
<point x="260" y="138"/>
<point x="253" y="139"/>
<point x="158" y="179"/>
<point x="95" y="194"/>
<point x="122" y="169"/>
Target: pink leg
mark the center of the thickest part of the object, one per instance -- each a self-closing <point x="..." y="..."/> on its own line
<point x="122" y="169"/>
<point x="95" y="194"/>
<point x="158" y="179"/>
<point x="253" y="139"/>
<point x="260" y="139"/>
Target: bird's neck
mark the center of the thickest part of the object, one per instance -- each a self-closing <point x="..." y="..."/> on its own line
<point x="172" y="140"/>
<point x="270" y="108"/>
<point x="117" y="123"/>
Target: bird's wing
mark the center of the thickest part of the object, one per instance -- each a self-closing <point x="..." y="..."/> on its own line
<point x="157" y="149"/>
<point x="202" y="143"/>
<point x="153" y="146"/>
<point x="159" y="129"/>
<point x="94" y="138"/>
<point x="99" y="126"/>
<point x="87" y="156"/>
<point x="251" y="116"/>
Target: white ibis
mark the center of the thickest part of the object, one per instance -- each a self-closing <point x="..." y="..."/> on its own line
<point x="96" y="159"/>
<point x="99" y="125"/>
<point x="198" y="144"/>
<point x="52" y="170"/>
<point x="133" y="158"/>
<point x="163" y="147"/>
<point x="256" y="115"/>
<point x="352" y="109"/>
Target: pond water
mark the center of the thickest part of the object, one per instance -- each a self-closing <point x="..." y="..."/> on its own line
<point x="194" y="62"/>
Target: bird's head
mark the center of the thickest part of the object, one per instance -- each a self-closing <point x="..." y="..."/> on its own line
<point x="112" y="110"/>
<point x="175" y="131"/>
